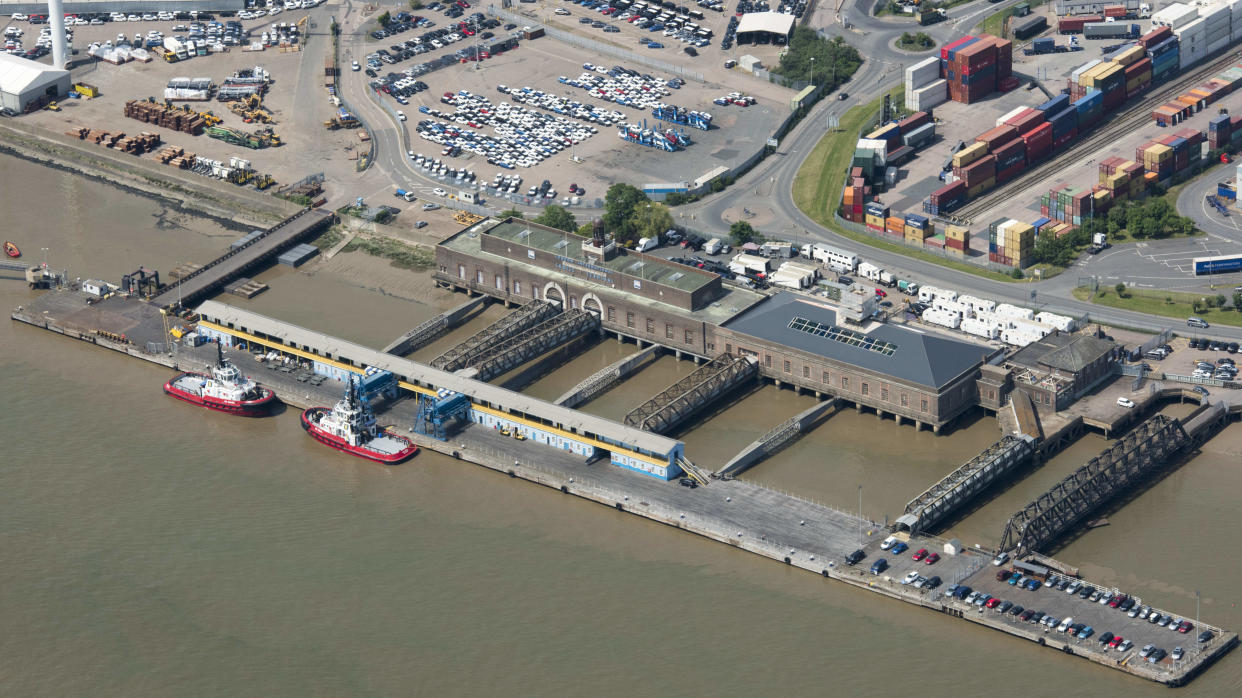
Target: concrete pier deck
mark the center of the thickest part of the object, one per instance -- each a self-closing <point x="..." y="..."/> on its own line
<point x="779" y="526"/>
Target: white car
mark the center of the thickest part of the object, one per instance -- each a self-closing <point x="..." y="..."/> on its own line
<point x="1125" y="402"/>
<point x="1065" y="624"/>
<point x="355" y="67"/>
<point x="400" y="115"/>
<point x="562" y="11"/>
<point x="18" y="17"/>
<point x="439" y="192"/>
<point x="1000" y="559"/>
<point x="888" y="542"/>
<point x="910" y="577"/>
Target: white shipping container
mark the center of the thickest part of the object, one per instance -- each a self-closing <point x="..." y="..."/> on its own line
<point x="1174" y="15"/>
<point x="1217" y="44"/>
<point x="925" y="98"/>
<point x="1190" y="31"/>
<point x="922" y="73"/>
<point x="1077" y="73"/>
<point x="1009" y="115"/>
<point x="939" y="317"/>
<point x="1214" y="16"/>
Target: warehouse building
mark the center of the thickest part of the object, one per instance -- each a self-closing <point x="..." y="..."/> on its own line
<point x="919" y="376"/>
<point x="1054" y="371"/>
<point x="25" y="83"/>
<point x="765" y="28"/>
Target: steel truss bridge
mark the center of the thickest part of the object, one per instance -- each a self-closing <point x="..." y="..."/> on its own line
<point x="1143" y="450"/>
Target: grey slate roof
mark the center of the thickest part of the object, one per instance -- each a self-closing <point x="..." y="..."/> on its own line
<point x="922" y="357"/>
<point x="1064" y="352"/>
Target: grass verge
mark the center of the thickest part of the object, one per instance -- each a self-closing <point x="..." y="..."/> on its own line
<point x="399" y="253"/>
<point x="1173" y="304"/>
<point x="817" y="187"/>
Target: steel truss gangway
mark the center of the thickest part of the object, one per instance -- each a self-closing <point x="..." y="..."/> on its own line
<point x="515" y="322"/>
<point x="1144" y="449"/>
<point x="510" y="353"/>
<point x="959" y="486"/>
<point x="685" y="397"/>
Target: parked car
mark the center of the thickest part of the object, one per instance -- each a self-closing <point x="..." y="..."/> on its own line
<point x="879" y="566"/>
<point x="910" y="577"/>
<point x="1000" y="559"/>
<point x="855" y="557"/>
<point x="919" y="554"/>
<point x="1106" y="638"/>
<point x="900" y="548"/>
<point x="1125" y="402"/>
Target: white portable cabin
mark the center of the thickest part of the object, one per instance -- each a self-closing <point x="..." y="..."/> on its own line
<point x="1013" y="311"/>
<point x="1061" y="322"/>
<point x="978" y="305"/>
<point x="835" y="258"/>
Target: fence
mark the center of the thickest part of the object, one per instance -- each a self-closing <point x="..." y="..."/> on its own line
<point x="598" y="48"/>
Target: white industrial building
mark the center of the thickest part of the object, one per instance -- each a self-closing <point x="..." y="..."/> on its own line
<point x="23" y="81"/>
<point x="765" y="28"/>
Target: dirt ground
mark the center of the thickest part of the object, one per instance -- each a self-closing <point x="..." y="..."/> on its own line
<point x="297" y="99"/>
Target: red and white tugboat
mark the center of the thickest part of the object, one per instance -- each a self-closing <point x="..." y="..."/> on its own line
<point x="225" y="390"/>
<point x="350" y="427"/>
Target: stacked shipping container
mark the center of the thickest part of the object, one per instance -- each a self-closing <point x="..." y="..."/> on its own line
<point x="973" y="66"/>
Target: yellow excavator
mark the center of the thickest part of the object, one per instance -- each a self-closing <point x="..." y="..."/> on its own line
<point x="251" y="109"/>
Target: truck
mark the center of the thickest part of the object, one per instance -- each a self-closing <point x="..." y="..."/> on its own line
<point x="713" y="246"/>
<point x="907" y="287"/>
<point x="887" y="279"/>
<point x="1099" y="243"/>
<point x="407" y="195"/>
<point x="869" y="271"/>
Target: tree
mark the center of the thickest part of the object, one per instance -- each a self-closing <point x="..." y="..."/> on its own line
<point x="651" y="219"/>
<point x="416" y="4"/>
<point x="557" y="217"/>
<point x="1237" y="300"/>
<point x="742" y="232"/>
<point x="1220" y="300"/>
<point x="619" y="204"/>
<point x="384" y="19"/>
<point x="511" y="213"/>
<point x="1120" y="288"/>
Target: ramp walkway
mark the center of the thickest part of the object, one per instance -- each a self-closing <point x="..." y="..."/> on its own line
<point x="518" y="321"/>
<point x="959" y="486"/>
<point x="1025" y="415"/>
<point x="433" y="327"/>
<point x="776" y="438"/>
<point x="212" y="277"/>
<point x="604" y="379"/>
<point x="1142" y="450"/>
<point x="508" y="354"/>
<point x="690" y="394"/>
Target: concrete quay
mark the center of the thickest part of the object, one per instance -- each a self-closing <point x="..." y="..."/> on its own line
<point x="776" y="525"/>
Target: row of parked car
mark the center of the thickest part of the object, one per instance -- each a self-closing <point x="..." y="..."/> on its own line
<point x="1223" y="369"/>
<point x="1213" y="345"/>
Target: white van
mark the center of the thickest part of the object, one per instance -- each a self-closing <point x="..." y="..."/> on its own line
<point x="645" y="244"/>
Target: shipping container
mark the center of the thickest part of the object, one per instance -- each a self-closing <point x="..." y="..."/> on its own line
<point x="1074" y="25"/>
<point x="1027" y="121"/>
<point x="1054" y="105"/>
<point x="1155" y="36"/>
<point x="996" y="137"/>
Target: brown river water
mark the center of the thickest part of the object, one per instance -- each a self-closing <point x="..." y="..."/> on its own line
<point x="150" y="548"/>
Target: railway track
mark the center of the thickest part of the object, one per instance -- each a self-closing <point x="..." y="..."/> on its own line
<point x="1122" y="123"/>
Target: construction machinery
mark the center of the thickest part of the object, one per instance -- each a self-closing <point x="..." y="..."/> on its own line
<point x="250" y="108"/>
<point x="85" y="90"/>
<point x="209" y="118"/>
<point x="263" y="138"/>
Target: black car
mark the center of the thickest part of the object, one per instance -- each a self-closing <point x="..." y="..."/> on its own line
<point x="1106" y="638"/>
<point x="1026" y="616"/>
<point x="855" y="557"/>
<point x="842" y="96"/>
<point x="509" y="27"/>
<point x="1037" y="616"/>
<point x="371" y="73"/>
<point x="1205" y="636"/>
<point x="688" y="482"/>
<point x="1086" y="591"/>
<point x="932" y="583"/>
<point x="1016" y="609"/>
<point x="690" y="51"/>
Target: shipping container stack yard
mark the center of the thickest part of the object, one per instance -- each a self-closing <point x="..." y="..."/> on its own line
<point x="1010" y="243"/>
<point x="1199" y="98"/>
<point x="926" y="88"/>
<point x="1170" y="158"/>
<point x="1124" y="179"/>
<point x="875" y="158"/>
<point x="977" y="66"/>
<point x="875" y="216"/>
<point x="957" y="240"/>
<point x="916" y="229"/>
<point x="1200" y="31"/>
<point x="1072" y="205"/>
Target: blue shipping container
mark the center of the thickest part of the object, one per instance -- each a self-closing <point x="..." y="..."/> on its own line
<point x="1169" y="44"/>
<point x="1055" y="104"/>
<point x="953" y="51"/>
<point x="1226" y="191"/>
<point x="1044" y="44"/>
<point x="1220" y="123"/>
<point x="1063" y="121"/>
<point x="1093" y="99"/>
<point x="916" y="220"/>
<point x="1218" y="265"/>
<point x="1041" y="222"/>
<point x="1179" y="145"/>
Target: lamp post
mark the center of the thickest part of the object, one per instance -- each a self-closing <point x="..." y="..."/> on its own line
<point x="860" y="517"/>
<point x="812" y="72"/>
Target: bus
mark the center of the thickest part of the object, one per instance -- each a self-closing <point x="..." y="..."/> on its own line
<point x="1217" y="265"/>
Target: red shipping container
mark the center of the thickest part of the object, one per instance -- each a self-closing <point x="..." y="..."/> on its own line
<point x="1004" y="58"/>
<point x="944" y="50"/>
<point x="979" y="170"/>
<point x="1138" y="67"/>
<point x="1114" y="97"/>
<point x="914" y="121"/>
<point x="1193" y="136"/>
<point x="1026" y="121"/>
<point x="949" y="192"/>
<point x="1006" y="153"/>
<point x="1007" y="175"/>
<point x="1115" y="11"/>
<point x="1155" y="36"/>
<point x="995" y="138"/>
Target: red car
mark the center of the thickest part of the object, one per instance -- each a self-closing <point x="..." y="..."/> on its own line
<point x="932" y="559"/>
<point x="1117" y="600"/>
<point x="993" y="602"/>
<point x="1185" y="627"/>
<point x="918" y="556"/>
<point x="1112" y="644"/>
<point x="881" y="293"/>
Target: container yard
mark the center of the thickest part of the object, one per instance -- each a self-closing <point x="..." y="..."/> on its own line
<point x="1093" y="112"/>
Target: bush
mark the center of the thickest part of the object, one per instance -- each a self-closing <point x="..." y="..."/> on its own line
<point x="1017" y="274"/>
<point x="416" y="4"/>
<point x="1120" y="288"/>
<point x="384" y="19"/>
<point x="834" y="60"/>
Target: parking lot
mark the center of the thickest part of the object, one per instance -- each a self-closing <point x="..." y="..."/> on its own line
<point x="1101" y="618"/>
